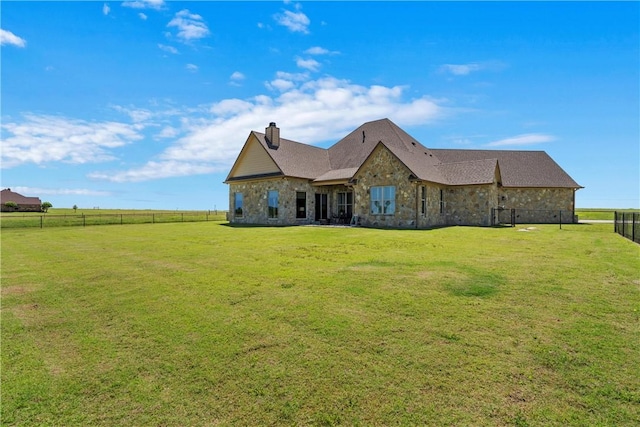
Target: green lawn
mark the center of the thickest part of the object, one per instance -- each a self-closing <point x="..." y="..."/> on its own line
<point x="600" y="214"/>
<point x="87" y="217"/>
<point x="205" y="324"/>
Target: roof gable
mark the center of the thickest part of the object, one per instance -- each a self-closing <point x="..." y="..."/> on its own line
<point x="253" y="160"/>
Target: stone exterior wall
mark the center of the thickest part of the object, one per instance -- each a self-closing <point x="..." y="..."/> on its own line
<point x="537" y="205"/>
<point x="383" y="169"/>
<point x="255" y="210"/>
<point x="462" y="205"/>
<point x="470" y="204"/>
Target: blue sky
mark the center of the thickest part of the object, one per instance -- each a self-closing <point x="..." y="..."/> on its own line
<point x="146" y="104"/>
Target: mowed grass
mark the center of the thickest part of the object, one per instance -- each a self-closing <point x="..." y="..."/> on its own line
<point x="600" y="214"/>
<point x="205" y="324"/>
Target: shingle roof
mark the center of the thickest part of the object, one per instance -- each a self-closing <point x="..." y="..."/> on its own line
<point x="296" y="159"/>
<point x="444" y="166"/>
<point x="469" y="172"/>
<point x="352" y="150"/>
<point x="9" y="196"/>
<point x="337" y="175"/>
<point x="517" y="168"/>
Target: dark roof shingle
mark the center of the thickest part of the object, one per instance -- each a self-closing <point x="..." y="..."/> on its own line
<point x="517" y="168"/>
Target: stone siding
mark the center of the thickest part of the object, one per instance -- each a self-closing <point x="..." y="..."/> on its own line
<point x="462" y="205"/>
<point x="470" y="204"/>
<point x="255" y="210"/>
<point x="537" y="205"/>
<point x="383" y="169"/>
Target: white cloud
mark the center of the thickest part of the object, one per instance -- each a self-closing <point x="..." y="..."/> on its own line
<point x="190" y="26"/>
<point x="524" y="139"/>
<point x="105" y="9"/>
<point x="60" y="191"/>
<point x="296" y="22"/>
<point x="460" y="69"/>
<point x="142" y="16"/>
<point x="317" y="50"/>
<point x="145" y="4"/>
<point x="309" y="64"/>
<point x="237" y="75"/>
<point x="168" y="132"/>
<point x="44" y="139"/>
<point x="8" y="38"/>
<point x="169" y="49"/>
<point x="309" y="111"/>
<point x="138" y="115"/>
<point x="155" y="170"/>
<point x="192" y="67"/>
<point x="466" y="69"/>
<point x="280" y="84"/>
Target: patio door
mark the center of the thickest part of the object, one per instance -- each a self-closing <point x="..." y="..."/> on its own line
<point x="321" y="206"/>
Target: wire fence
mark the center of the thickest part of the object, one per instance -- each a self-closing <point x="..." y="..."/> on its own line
<point x="627" y="224"/>
<point x="84" y="220"/>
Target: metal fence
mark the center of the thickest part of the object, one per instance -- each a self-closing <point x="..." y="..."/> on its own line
<point x="627" y="224"/>
<point x="45" y="220"/>
<point x="531" y="216"/>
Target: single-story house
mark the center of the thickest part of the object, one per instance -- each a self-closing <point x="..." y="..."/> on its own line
<point x="380" y="176"/>
<point x="23" y="203"/>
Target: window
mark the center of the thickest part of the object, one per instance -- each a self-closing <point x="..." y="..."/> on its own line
<point x="238" y="205"/>
<point x="301" y="204"/>
<point x="383" y="200"/>
<point x="345" y="205"/>
<point x="441" y="202"/>
<point x="423" y="200"/>
<point x="272" y="200"/>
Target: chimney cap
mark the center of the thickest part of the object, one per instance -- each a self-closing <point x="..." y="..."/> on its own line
<point x="272" y="124"/>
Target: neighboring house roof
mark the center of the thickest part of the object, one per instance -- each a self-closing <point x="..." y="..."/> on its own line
<point x="340" y="162"/>
<point x="7" y="195"/>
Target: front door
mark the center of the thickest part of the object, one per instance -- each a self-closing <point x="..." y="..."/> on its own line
<point x="321" y="206"/>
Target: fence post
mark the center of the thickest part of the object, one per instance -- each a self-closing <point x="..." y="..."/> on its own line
<point x="633" y="227"/>
<point x="182" y="216"/>
<point x="84" y="220"/>
<point x="40" y="221"/>
<point x="153" y="218"/>
<point x="120" y="219"/>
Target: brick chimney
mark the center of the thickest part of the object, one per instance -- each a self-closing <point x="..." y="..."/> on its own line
<point x="272" y="134"/>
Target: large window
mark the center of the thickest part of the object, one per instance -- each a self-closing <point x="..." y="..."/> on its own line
<point x="272" y="198"/>
<point x="441" y="202"/>
<point x="238" y="205"/>
<point x="383" y="200"/>
<point x="423" y="200"/>
<point x="301" y="204"/>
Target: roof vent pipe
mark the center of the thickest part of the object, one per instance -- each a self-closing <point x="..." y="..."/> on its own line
<point x="272" y="134"/>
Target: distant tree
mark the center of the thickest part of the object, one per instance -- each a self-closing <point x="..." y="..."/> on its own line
<point x="75" y="208"/>
<point x="11" y="205"/>
<point x="46" y="206"/>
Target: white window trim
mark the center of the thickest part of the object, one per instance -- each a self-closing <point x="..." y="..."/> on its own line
<point x="371" y="201"/>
